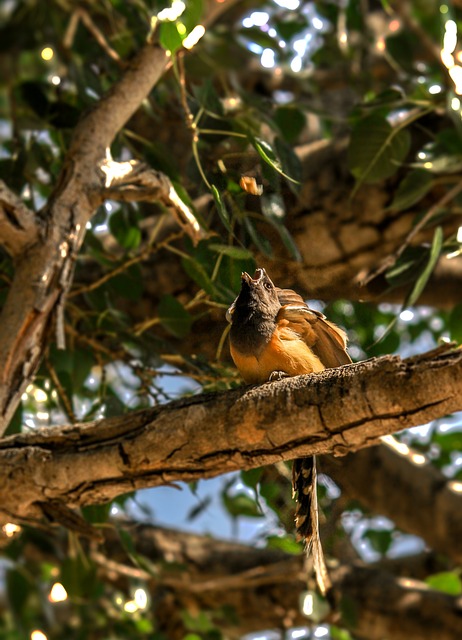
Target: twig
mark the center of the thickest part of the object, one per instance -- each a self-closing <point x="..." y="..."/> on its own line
<point x="81" y="15"/>
<point x="147" y="251"/>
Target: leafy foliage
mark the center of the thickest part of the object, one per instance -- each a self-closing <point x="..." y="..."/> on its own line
<point x="222" y="113"/>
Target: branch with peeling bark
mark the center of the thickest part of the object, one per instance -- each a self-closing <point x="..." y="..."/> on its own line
<point x="44" y="272"/>
<point x="338" y="411"/>
<point x="134" y="181"/>
<point x="18" y="225"/>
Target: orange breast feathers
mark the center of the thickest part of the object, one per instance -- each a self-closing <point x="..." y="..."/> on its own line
<point x="302" y="342"/>
<point x="275" y="330"/>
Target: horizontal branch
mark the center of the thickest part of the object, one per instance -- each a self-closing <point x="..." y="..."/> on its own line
<point x="338" y="411"/>
<point x="134" y="181"/>
<point x="18" y="225"/>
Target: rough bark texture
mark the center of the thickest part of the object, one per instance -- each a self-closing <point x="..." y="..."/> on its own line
<point x="338" y="411"/>
<point x="43" y="273"/>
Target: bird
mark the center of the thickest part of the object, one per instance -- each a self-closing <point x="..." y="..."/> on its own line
<point x="275" y="334"/>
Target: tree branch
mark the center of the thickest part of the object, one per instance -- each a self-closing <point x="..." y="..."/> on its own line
<point x="335" y="412"/>
<point x="44" y="273"/>
<point x="133" y="181"/>
<point x="18" y="226"/>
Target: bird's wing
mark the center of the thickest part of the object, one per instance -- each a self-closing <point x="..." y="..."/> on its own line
<point x="326" y="340"/>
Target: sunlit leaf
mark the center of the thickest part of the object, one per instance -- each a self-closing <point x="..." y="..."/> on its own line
<point x="286" y="543"/>
<point x="447" y="581"/>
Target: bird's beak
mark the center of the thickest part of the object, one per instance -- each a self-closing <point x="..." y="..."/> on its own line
<point x="258" y="275"/>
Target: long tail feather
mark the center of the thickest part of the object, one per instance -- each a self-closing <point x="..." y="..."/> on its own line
<point x="304" y="483"/>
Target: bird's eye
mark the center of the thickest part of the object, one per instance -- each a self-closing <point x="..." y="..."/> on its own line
<point x="267" y="286"/>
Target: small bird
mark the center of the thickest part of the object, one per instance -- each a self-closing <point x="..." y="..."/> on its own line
<point x="275" y="334"/>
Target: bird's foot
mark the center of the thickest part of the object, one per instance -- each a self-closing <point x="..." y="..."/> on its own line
<point x="278" y="375"/>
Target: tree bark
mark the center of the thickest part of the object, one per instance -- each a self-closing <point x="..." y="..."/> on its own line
<point x="262" y="587"/>
<point x="43" y="273"/>
<point x="338" y="411"/>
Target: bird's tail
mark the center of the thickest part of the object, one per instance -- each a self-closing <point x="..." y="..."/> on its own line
<point x="304" y="485"/>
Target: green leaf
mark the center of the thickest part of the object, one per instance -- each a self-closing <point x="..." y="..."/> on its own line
<point x="200" y="276"/>
<point x="262" y="243"/>
<point x="240" y="504"/>
<point x="290" y="121"/>
<point x="198" y="509"/>
<point x="129" y="284"/>
<point x="455" y="323"/>
<point x="78" y="577"/>
<point x="267" y="154"/>
<point x="376" y="149"/>
<point x="422" y="280"/>
<point x="169" y="38"/>
<point x="288" y="241"/>
<point x="405" y="268"/>
<point x="124" y="230"/>
<point x="174" y="317"/>
<point x="257" y="36"/>
<point x="285" y="543"/>
<point x="238" y="253"/>
<point x="251" y="477"/>
<point x="207" y="96"/>
<point x="290" y="161"/>
<point x="448" y="442"/>
<point x="412" y="189"/>
<point x="221" y="207"/>
<point x="339" y="634"/>
<point x="15" y="422"/>
<point x="447" y="581"/>
<point x="419" y="286"/>
<point x="18" y="589"/>
<point x="192" y="15"/>
<point x="96" y="513"/>
<point x="380" y="539"/>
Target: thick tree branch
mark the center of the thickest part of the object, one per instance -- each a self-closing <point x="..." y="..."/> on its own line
<point x="18" y="226"/>
<point x="335" y="412"/>
<point x="44" y="272"/>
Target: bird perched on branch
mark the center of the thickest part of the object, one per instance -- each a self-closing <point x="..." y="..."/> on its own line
<point x="275" y="334"/>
